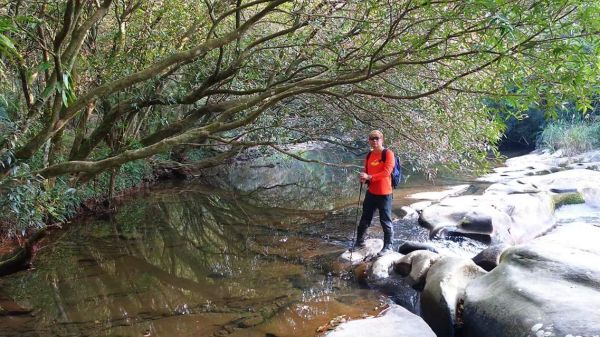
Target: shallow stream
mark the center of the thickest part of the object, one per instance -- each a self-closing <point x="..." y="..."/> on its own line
<point x="185" y="261"/>
<point x="190" y="260"/>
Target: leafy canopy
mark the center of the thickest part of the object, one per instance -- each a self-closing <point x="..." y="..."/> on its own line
<point x="99" y="84"/>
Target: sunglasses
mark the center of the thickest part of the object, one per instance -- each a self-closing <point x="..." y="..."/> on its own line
<point x="373" y="138"/>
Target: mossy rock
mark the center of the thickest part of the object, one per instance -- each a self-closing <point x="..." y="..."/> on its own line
<point x="571" y="198"/>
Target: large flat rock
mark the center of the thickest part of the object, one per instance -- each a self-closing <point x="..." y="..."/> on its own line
<point x="541" y="163"/>
<point x="395" y="322"/>
<point x="547" y="287"/>
<point x="576" y="179"/>
<point x="508" y="218"/>
<point x="513" y="211"/>
<point x="368" y="251"/>
<point x="444" y="289"/>
<point x="439" y="195"/>
<point x="535" y="163"/>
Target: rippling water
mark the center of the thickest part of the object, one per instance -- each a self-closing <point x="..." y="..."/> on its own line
<point x="577" y="213"/>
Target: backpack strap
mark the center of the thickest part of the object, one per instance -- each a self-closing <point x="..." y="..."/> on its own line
<point x="384" y="155"/>
<point x="367" y="161"/>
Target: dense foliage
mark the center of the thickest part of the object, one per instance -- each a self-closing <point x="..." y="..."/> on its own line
<point x="89" y="86"/>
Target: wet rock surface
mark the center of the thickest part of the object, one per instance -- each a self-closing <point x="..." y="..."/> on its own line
<point x="554" y="281"/>
<point x="395" y="322"/>
<point x="539" y="274"/>
<point x="360" y="254"/>
<point x="415" y="266"/>
<point x="410" y="246"/>
<point x="512" y="211"/>
<point x="498" y="218"/>
<point x="382" y="266"/>
<point x="489" y="258"/>
<point x="444" y="291"/>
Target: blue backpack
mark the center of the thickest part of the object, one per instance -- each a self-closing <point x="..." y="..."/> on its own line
<point x="396" y="171"/>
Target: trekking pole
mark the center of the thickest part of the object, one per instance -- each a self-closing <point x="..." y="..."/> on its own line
<point x="356" y="221"/>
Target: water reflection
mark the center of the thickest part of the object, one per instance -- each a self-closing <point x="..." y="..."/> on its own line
<point x="305" y="185"/>
<point x="193" y="261"/>
<point x="185" y="262"/>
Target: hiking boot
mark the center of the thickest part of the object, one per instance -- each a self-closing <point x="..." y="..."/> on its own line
<point x="386" y="249"/>
<point x="360" y="238"/>
<point x="358" y="246"/>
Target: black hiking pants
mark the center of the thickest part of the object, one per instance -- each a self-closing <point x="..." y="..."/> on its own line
<point x="383" y="203"/>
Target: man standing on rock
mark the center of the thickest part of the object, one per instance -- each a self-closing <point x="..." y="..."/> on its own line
<point x="377" y="175"/>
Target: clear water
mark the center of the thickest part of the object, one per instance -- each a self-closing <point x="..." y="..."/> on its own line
<point x="188" y="260"/>
<point x="577" y="213"/>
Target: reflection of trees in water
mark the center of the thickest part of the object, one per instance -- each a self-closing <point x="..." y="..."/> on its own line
<point x="283" y="181"/>
<point x="185" y="252"/>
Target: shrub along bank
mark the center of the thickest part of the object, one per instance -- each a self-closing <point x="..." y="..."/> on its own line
<point x="29" y="204"/>
<point x="572" y="137"/>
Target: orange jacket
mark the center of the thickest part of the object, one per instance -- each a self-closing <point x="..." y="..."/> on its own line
<point x="380" y="172"/>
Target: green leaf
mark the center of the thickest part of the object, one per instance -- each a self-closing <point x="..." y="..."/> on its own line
<point x="49" y="89"/>
<point x="44" y="66"/>
<point x="7" y="46"/>
<point x="66" y="81"/>
<point x="6" y="42"/>
<point x="65" y="100"/>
